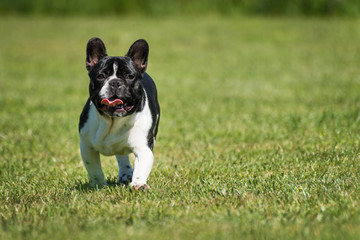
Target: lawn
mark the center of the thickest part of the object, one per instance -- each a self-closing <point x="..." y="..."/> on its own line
<point x="258" y="138"/>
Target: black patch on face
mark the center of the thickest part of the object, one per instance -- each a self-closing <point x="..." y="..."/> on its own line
<point x="125" y="85"/>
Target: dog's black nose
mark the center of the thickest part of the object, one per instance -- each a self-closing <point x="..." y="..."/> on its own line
<point x="115" y="84"/>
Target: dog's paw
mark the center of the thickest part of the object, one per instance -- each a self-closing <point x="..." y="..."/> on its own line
<point x="97" y="184"/>
<point x="140" y="186"/>
<point x="124" y="179"/>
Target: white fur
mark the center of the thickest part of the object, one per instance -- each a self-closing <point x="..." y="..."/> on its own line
<point x="117" y="136"/>
<point x="115" y="67"/>
<point x="105" y="88"/>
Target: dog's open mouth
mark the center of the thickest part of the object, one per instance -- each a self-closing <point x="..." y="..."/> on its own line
<point x="115" y="104"/>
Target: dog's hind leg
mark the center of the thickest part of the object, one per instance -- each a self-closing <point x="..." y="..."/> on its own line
<point x="125" y="169"/>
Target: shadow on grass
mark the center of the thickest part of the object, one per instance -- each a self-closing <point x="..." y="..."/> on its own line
<point x="84" y="186"/>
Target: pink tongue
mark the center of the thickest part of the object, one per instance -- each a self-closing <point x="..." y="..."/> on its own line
<point x="114" y="103"/>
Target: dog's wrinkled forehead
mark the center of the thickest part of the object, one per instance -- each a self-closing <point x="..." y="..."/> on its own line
<point x="116" y="66"/>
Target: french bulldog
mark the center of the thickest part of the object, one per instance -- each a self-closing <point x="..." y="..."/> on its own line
<point x="121" y="115"/>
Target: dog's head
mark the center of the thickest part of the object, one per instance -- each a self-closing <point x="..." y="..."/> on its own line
<point x="115" y="82"/>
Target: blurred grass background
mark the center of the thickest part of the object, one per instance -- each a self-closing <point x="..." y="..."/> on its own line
<point x="259" y="135"/>
<point x="193" y="7"/>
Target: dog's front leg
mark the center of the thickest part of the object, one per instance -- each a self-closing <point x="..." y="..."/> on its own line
<point x="91" y="159"/>
<point x="142" y="167"/>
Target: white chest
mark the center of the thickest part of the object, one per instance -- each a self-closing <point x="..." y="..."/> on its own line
<point x="116" y="136"/>
<point x="113" y="142"/>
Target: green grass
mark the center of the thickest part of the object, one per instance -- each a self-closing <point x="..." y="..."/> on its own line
<point x="259" y="135"/>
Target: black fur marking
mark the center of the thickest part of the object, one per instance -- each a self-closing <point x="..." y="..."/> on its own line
<point x="151" y="92"/>
<point x="84" y="114"/>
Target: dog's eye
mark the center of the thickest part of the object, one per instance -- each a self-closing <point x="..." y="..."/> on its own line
<point x="130" y="77"/>
<point x="100" y="76"/>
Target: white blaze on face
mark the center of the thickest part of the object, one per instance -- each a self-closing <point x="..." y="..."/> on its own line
<point x="115" y="66"/>
<point x="104" y="89"/>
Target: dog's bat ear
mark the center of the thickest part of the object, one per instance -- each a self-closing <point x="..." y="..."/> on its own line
<point x="95" y="50"/>
<point x="139" y="52"/>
